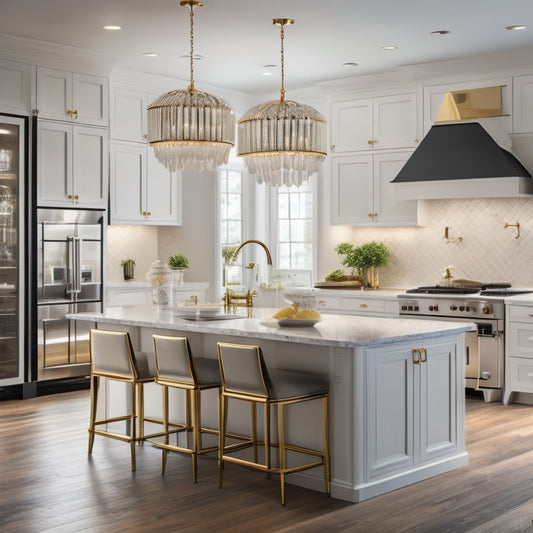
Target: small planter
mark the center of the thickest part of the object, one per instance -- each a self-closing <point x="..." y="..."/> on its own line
<point x="128" y="268"/>
<point x="177" y="276"/>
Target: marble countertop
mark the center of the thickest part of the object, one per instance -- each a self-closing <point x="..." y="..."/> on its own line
<point x="332" y="330"/>
<point x="520" y="299"/>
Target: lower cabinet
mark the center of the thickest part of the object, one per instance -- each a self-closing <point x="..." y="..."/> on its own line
<point x="518" y="350"/>
<point x="357" y="305"/>
<point x="411" y="396"/>
<point x="142" y="190"/>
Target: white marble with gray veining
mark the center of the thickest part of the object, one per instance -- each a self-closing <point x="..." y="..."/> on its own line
<point x="332" y="330"/>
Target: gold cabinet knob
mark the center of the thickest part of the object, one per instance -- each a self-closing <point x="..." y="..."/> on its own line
<point x="370" y="141"/>
<point x="332" y="147"/>
<point x="145" y="136"/>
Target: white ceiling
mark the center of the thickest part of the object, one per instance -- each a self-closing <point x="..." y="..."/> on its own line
<point x="236" y="37"/>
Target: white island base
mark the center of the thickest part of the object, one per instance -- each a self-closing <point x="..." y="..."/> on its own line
<point x="396" y="389"/>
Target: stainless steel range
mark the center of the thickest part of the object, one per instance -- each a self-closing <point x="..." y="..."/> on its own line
<point x="485" y="307"/>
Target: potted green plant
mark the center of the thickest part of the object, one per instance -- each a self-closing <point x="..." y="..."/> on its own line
<point x="128" y="268"/>
<point x="365" y="259"/>
<point x="178" y="263"/>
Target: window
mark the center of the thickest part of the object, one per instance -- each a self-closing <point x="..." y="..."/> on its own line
<point x="294" y="216"/>
<point x="231" y="220"/>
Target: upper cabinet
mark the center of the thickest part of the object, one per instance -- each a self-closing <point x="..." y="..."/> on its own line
<point x="72" y="165"/>
<point x="128" y="114"/>
<point x="15" y="87"/>
<point x="142" y="191"/>
<point x="72" y="97"/>
<point x="362" y="194"/>
<point x="523" y="104"/>
<point x="374" y="124"/>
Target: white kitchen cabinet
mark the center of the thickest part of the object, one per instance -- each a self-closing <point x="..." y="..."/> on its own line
<point x="15" y="87"/>
<point x="523" y="104"/>
<point x="142" y="190"/>
<point x="518" y="350"/>
<point x="139" y="293"/>
<point x="356" y="303"/>
<point x="412" y="396"/>
<point x="362" y="194"/>
<point x="374" y="124"/>
<point x="72" y="97"/>
<point x="128" y="114"/>
<point x="72" y="165"/>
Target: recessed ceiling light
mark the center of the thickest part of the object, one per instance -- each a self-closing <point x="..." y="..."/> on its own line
<point x="112" y="27"/>
<point x="350" y="64"/>
<point x="268" y="69"/>
<point x="515" y="27"/>
<point x="440" y="32"/>
<point x="150" y="54"/>
<point x="389" y="47"/>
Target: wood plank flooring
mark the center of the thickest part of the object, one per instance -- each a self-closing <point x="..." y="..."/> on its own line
<point x="48" y="483"/>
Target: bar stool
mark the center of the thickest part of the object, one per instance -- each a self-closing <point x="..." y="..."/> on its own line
<point x="177" y="368"/>
<point x="246" y="377"/>
<point x="113" y="358"/>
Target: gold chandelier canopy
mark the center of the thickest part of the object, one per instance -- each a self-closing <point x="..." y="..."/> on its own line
<point x="191" y="129"/>
<point x="283" y="142"/>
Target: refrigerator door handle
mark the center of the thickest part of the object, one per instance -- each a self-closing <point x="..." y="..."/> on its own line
<point x="73" y="265"/>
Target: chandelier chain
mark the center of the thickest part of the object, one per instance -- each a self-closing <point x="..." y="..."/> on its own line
<point x="282" y="95"/>
<point x="191" y="23"/>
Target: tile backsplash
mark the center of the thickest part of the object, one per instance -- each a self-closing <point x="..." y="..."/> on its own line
<point x="139" y="243"/>
<point x="487" y="252"/>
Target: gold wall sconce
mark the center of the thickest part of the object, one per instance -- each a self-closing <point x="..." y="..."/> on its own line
<point x="517" y="226"/>
<point x="449" y="237"/>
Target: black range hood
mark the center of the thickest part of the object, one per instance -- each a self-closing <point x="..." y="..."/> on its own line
<point x="461" y="161"/>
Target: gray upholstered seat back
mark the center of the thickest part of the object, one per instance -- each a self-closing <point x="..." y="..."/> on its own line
<point x="173" y="359"/>
<point x="243" y="369"/>
<point x="111" y="353"/>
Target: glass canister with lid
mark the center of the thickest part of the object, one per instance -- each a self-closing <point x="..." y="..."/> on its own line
<point x="160" y="276"/>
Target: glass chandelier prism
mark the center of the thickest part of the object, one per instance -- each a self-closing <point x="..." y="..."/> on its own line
<point x="191" y="129"/>
<point x="282" y="142"/>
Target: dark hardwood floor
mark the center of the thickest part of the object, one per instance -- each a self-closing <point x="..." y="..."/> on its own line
<point x="48" y="483"/>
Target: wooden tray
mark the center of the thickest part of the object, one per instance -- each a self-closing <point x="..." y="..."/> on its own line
<point x="338" y="284"/>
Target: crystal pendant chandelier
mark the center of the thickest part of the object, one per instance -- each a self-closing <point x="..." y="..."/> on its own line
<point x="191" y="129"/>
<point x="282" y="142"/>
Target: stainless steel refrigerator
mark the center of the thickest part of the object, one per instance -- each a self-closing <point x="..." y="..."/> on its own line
<point x="13" y="165"/>
<point x="69" y="280"/>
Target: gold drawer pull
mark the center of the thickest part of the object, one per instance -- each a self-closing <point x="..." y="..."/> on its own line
<point x="363" y="305"/>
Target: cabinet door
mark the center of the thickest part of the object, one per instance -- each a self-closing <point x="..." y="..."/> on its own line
<point x="389" y="211"/>
<point x="352" y="190"/>
<point x="395" y="122"/>
<point x="128" y="116"/>
<point x="15" y="87"/>
<point x="90" y="166"/>
<point x="54" y="94"/>
<point x="351" y="126"/>
<point x="163" y="193"/>
<point x="54" y="164"/>
<point x="523" y="104"/>
<point x="390" y="428"/>
<point x="437" y="405"/>
<point x="128" y="183"/>
<point x="90" y="99"/>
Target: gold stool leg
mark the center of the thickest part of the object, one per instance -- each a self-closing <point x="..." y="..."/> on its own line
<point x="196" y="433"/>
<point x="165" y="419"/>
<point x="268" y="458"/>
<point x="325" y="440"/>
<point x="140" y="411"/>
<point x="253" y="421"/>
<point x="222" y="421"/>
<point x="282" y="450"/>
<point x="92" y="418"/>
<point x="133" y="431"/>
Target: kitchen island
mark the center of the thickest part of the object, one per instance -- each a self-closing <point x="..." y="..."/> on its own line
<point x="396" y="388"/>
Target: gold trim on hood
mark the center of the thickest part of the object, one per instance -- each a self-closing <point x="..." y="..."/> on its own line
<point x="471" y="104"/>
